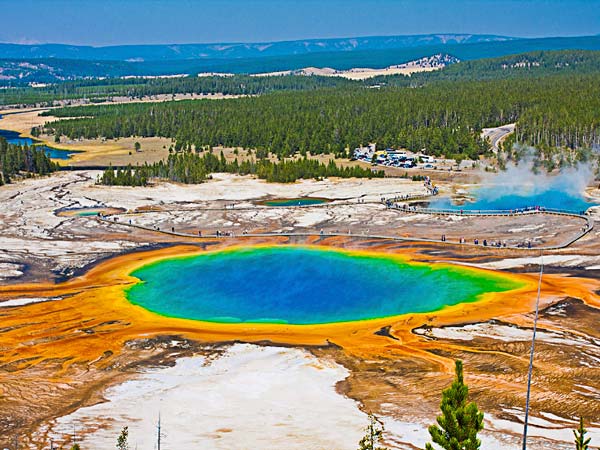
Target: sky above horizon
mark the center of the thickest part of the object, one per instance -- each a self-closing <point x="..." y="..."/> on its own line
<point x="114" y="22"/>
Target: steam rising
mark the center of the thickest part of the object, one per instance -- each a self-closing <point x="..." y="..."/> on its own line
<point x="523" y="180"/>
<point x="523" y="186"/>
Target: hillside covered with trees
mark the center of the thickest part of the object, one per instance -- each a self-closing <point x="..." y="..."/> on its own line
<point x="102" y="90"/>
<point x="524" y="65"/>
<point x="445" y="117"/>
<point x="532" y="64"/>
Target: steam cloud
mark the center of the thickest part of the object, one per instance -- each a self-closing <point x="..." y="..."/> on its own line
<point x="523" y="179"/>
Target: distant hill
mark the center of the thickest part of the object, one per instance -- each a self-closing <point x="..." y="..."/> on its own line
<point x="19" y="72"/>
<point x="176" y="52"/>
<point x="534" y="64"/>
<point x="572" y="64"/>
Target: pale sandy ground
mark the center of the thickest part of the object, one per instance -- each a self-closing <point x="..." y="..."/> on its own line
<point x="30" y="228"/>
<point x="27" y="301"/>
<point x="243" y="188"/>
<point x="365" y="73"/>
<point x="10" y="270"/>
<point x="357" y="73"/>
<point x="253" y="397"/>
<point x="271" y="398"/>
<point x="24" y="121"/>
<point x="498" y="434"/>
<point x="506" y="333"/>
<point x="117" y="152"/>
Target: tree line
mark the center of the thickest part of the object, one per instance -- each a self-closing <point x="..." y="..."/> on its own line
<point x="192" y="168"/>
<point x="437" y="119"/>
<point x="16" y="160"/>
<point x="101" y="90"/>
<point x="535" y="64"/>
<point x="443" y="118"/>
<point x="525" y="65"/>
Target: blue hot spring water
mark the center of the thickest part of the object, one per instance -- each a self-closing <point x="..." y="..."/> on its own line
<point x="301" y="201"/>
<point x="489" y="198"/>
<point x="300" y="285"/>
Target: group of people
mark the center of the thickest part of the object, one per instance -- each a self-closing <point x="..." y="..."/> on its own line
<point x="485" y="242"/>
<point x="528" y="209"/>
<point x="432" y="188"/>
<point x="220" y="233"/>
<point x="391" y="202"/>
<point x="405" y="207"/>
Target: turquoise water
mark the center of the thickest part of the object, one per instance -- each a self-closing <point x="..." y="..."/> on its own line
<point x="300" y="285"/>
<point x="497" y="198"/>
<point x="302" y="201"/>
<point x="12" y="137"/>
<point x="56" y="153"/>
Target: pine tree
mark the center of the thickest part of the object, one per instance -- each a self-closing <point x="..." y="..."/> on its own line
<point x="581" y="443"/>
<point x="373" y="436"/>
<point x="75" y="447"/>
<point x="122" y="443"/>
<point x="460" y="421"/>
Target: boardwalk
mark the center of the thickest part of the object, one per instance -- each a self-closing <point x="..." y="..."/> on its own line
<point x="587" y="227"/>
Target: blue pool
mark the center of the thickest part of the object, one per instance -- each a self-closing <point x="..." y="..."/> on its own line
<point x="304" y="286"/>
<point x="497" y="197"/>
<point x="301" y="201"/>
<point x="12" y="137"/>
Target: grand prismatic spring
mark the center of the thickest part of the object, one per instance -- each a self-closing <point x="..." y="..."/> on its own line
<point x="299" y="285"/>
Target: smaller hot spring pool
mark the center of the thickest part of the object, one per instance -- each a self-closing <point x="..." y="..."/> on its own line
<point x="88" y="212"/>
<point x="300" y="201"/>
<point x="499" y="198"/>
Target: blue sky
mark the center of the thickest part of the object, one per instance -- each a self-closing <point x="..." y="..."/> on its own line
<point x="110" y="22"/>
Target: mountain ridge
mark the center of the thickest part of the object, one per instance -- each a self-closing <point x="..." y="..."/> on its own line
<point x="232" y="50"/>
<point x="20" y="72"/>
